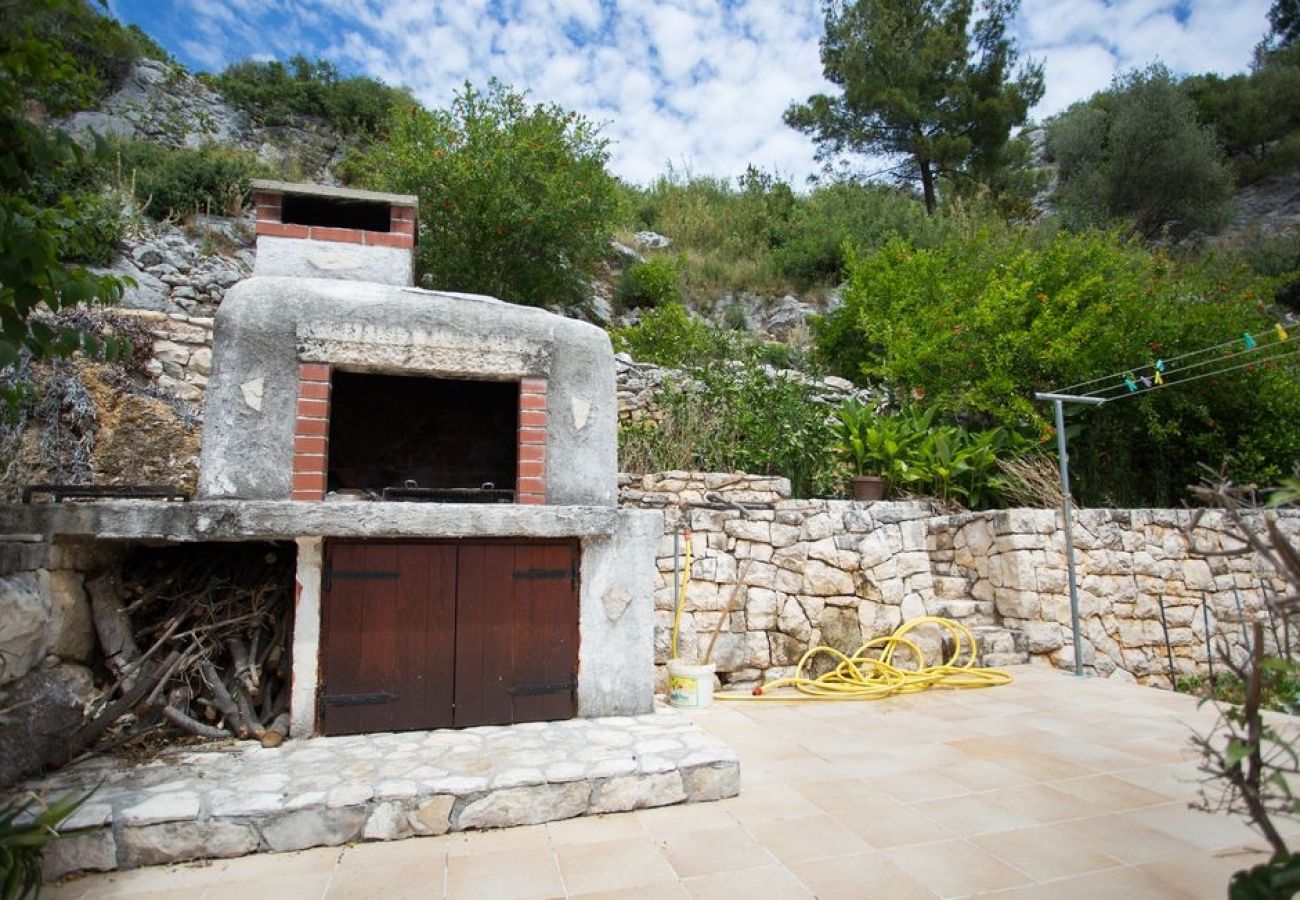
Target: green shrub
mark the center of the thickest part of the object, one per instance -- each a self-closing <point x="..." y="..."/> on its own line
<point x="978" y="324"/>
<point x="737" y="417"/>
<point x="181" y="182"/>
<point x="100" y="51"/>
<point x="22" y="845"/>
<point x="670" y="336"/>
<point x="654" y="282"/>
<point x="515" y="200"/>
<point x="274" y="91"/>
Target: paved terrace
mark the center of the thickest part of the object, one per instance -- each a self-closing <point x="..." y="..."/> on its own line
<point x="1051" y="787"/>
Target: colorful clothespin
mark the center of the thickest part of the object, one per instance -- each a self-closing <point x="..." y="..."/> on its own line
<point x="1160" y="365"/>
<point x="1280" y="331"/>
<point x="1130" y="383"/>
<point x="1160" y="379"/>
<point x="1146" y="381"/>
<point x="1248" y="340"/>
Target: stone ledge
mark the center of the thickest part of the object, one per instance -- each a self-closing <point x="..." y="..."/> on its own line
<point x="217" y="520"/>
<point x="230" y="800"/>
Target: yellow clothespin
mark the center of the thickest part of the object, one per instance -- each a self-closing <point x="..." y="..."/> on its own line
<point x="1280" y="331"/>
<point x="1160" y="379"/>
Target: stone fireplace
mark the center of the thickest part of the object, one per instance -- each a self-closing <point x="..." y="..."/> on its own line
<point x="446" y="464"/>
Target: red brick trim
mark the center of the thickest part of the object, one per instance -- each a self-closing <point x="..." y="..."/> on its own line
<point x="530" y="480"/>
<point x="279" y="229"/>
<point x="311" y="432"/>
<point x="380" y="239"/>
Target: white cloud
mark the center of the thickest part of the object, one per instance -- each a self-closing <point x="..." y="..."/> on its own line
<point x="699" y="83"/>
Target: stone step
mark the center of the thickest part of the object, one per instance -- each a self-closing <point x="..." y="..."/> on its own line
<point x="224" y="801"/>
<point x="996" y="646"/>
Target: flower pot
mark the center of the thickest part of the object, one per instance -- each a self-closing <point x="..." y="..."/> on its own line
<point x="868" y="488"/>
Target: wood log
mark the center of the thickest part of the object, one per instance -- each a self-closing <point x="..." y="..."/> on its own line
<point x="241" y="669"/>
<point x="84" y="736"/>
<point x="223" y="701"/>
<point x="277" y="732"/>
<point x="113" y="626"/>
<point x="182" y="720"/>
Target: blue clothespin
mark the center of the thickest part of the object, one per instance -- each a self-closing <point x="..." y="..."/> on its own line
<point x="1248" y="340"/>
<point x="1130" y="383"/>
<point x="1160" y="365"/>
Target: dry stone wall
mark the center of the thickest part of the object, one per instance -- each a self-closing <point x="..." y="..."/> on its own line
<point x="798" y="573"/>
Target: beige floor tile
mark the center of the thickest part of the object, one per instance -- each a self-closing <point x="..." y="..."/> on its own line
<point x="395" y="880"/>
<point x="982" y="775"/>
<point x="517" y="874"/>
<point x="664" y="891"/>
<point x="837" y="794"/>
<point x="596" y="829"/>
<point x="418" y="851"/>
<point x="1209" y="831"/>
<point x="714" y="850"/>
<point x="1111" y="793"/>
<point x="1115" y="835"/>
<point x="1177" y="782"/>
<point x="476" y="843"/>
<point x="769" y="883"/>
<point x="956" y="868"/>
<point x="974" y="814"/>
<point x="859" y="876"/>
<point x="72" y="889"/>
<point x="1041" y="857"/>
<point x="777" y="802"/>
<point x="296" y="886"/>
<point x="918" y="786"/>
<point x="191" y="878"/>
<point x="810" y="837"/>
<point x="888" y="823"/>
<point x="319" y="860"/>
<point x="613" y="865"/>
<point x="1203" y="873"/>
<point x="1043" y="803"/>
<point x="667" y="820"/>
<point x="1126" y="883"/>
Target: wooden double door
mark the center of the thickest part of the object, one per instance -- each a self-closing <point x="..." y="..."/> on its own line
<point x="420" y="635"/>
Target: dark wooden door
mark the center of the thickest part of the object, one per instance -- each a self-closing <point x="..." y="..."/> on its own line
<point x="429" y="635"/>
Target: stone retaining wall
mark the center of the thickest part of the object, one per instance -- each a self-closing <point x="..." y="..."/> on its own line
<point x="808" y="572"/>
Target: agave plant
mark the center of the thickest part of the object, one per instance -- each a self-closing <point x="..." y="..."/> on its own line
<point x="23" y="841"/>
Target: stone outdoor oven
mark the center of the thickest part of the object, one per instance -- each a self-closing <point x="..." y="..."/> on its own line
<point x="446" y="464"/>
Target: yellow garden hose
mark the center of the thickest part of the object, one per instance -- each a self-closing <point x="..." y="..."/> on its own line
<point x="874" y="677"/>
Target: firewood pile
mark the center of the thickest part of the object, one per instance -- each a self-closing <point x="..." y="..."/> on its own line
<point x="195" y="640"/>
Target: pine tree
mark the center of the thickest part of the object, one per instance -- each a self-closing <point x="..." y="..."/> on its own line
<point x="926" y="80"/>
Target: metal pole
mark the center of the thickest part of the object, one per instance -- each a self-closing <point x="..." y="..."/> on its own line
<point x="1069" y="533"/>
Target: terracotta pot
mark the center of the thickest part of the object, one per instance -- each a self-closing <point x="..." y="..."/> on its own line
<point x="868" y="487"/>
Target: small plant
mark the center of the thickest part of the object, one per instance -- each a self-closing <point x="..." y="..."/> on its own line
<point x="23" y="842"/>
<point x="177" y="183"/>
<point x="653" y="283"/>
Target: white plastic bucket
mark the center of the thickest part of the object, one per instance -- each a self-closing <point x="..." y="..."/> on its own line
<point x="690" y="686"/>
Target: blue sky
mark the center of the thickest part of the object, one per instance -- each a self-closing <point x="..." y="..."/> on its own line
<point x="698" y="84"/>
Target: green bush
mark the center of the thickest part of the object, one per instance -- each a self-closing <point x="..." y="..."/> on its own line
<point x="99" y="50"/>
<point x="22" y="845"/>
<point x="737" y="417"/>
<point x="274" y="92"/>
<point x="515" y="200"/>
<point x="180" y="182"/>
<point x="1136" y="152"/>
<point x="977" y="325"/>
<point x="654" y="282"/>
<point x="670" y="336"/>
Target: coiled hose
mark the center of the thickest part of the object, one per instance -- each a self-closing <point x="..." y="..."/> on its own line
<point x="861" y="676"/>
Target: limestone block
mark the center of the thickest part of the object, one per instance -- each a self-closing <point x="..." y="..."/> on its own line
<point x="630" y="792"/>
<point x="1043" y="637"/>
<point x="172" y="806"/>
<point x="877" y="547"/>
<point x="816" y="527"/>
<point x="72" y="633"/>
<point x="24" y="624"/>
<point x="168" y="352"/>
<point x="812" y="608"/>
<point x="716" y="782"/>
<point x="526" y="805"/>
<point x="388" y="821"/>
<point x="793" y="621"/>
<point x="749" y="530"/>
<point x="714" y="568"/>
<point x="827" y="550"/>
<point x="913" y="607"/>
<point x="760" y="609"/>
<point x="314" y="828"/>
<point x="791" y="558"/>
<point x="787" y="582"/>
<point x="201" y="361"/>
<point x="1197" y="574"/>
<point x="1018" y="604"/>
<point x="704" y="595"/>
<point x="91" y="851"/>
<point x="1018" y="572"/>
<point x="841" y="629"/>
<point x="912" y="563"/>
<point x="982" y="591"/>
<point x="783" y="535"/>
<point x="753" y="550"/>
<point x="170" y="842"/>
<point x="955" y="609"/>
<point x="822" y="580"/>
<point x="761" y="574"/>
<point x="784" y="650"/>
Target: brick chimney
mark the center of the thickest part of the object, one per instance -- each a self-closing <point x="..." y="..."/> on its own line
<point x="317" y="231"/>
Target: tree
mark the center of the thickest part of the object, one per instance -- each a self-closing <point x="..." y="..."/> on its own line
<point x="1284" y="22"/>
<point x="1136" y="152"/>
<point x="515" y="200"/>
<point x="927" y="80"/>
<point x="37" y="232"/>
